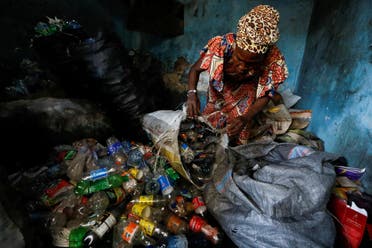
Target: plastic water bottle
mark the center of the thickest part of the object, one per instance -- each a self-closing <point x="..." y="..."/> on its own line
<point x="116" y="151"/>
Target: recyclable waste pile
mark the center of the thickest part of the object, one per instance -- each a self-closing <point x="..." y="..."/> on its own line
<point x="122" y="194"/>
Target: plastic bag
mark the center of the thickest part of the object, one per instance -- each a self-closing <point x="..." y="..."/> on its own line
<point x="163" y="127"/>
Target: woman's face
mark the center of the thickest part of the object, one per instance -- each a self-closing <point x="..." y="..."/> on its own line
<point x="243" y="64"/>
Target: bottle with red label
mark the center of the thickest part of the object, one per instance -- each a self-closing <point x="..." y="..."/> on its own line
<point x="198" y="224"/>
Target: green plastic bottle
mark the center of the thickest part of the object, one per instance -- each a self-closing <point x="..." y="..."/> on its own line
<point x="76" y="237"/>
<point x="85" y="187"/>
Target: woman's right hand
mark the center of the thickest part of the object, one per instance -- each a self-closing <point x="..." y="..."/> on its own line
<point x="193" y="105"/>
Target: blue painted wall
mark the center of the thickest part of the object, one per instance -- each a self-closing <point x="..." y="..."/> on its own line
<point x="336" y="80"/>
<point x="205" y="19"/>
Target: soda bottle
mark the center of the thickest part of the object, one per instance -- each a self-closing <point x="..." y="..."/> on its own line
<point x="198" y="224"/>
<point x="104" y="224"/>
<point x="85" y="187"/>
<point x="116" y="151"/>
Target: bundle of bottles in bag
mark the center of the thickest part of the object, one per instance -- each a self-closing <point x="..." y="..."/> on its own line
<point x="197" y="145"/>
<point x="121" y="194"/>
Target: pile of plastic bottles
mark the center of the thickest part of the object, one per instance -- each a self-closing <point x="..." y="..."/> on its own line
<point x="120" y="194"/>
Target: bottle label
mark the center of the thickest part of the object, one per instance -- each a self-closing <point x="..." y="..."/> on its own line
<point x="198" y="204"/>
<point x="138" y="209"/>
<point x="60" y="187"/>
<point x="106" y="225"/>
<point x="164" y="183"/>
<point x="146" y="199"/>
<point x="98" y="174"/>
<point x="135" y="158"/>
<point x="114" y="148"/>
<point x="147" y="226"/>
<point x="115" y="195"/>
<point x="129" y="232"/>
<point x="135" y="173"/>
<point x="196" y="223"/>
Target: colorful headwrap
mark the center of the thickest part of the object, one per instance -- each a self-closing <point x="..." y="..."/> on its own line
<point x="258" y="29"/>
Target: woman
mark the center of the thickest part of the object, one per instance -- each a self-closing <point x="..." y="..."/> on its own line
<point x="245" y="70"/>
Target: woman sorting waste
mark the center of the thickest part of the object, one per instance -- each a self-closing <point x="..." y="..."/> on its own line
<point x="245" y="69"/>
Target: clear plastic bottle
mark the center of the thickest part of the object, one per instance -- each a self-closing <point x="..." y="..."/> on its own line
<point x="116" y="151"/>
<point x="152" y="229"/>
<point x="187" y="153"/>
<point x="135" y="158"/>
<point x="101" y="200"/>
<point x="127" y="233"/>
<point x="153" y="200"/>
<point x="105" y="223"/>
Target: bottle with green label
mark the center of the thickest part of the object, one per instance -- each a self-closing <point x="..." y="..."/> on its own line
<point x="76" y="237"/>
<point x="85" y="187"/>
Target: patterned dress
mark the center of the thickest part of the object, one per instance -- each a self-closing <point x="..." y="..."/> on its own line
<point x="226" y="101"/>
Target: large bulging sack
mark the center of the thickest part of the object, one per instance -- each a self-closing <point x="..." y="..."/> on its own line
<point x="273" y="195"/>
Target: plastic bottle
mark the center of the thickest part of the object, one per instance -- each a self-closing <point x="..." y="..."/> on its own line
<point x="199" y="205"/>
<point x="177" y="241"/>
<point x="105" y="223"/>
<point x="175" y="224"/>
<point x="77" y="165"/>
<point x="152" y="187"/>
<point x="128" y="233"/>
<point x="135" y="158"/>
<point x="76" y="237"/>
<point x="115" y="151"/>
<point x="140" y="210"/>
<point x="101" y="200"/>
<point x="165" y="186"/>
<point x="153" y="229"/>
<point x="85" y="187"/>
<point x="152" y="200"/>
<point x="99" y="173"/>
<point x="198" y="224"/>
<point x="187" y="154"/>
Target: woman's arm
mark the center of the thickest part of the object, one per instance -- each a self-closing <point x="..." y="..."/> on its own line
<point x="193" y="103"/>
<point x="238" y="123"/>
